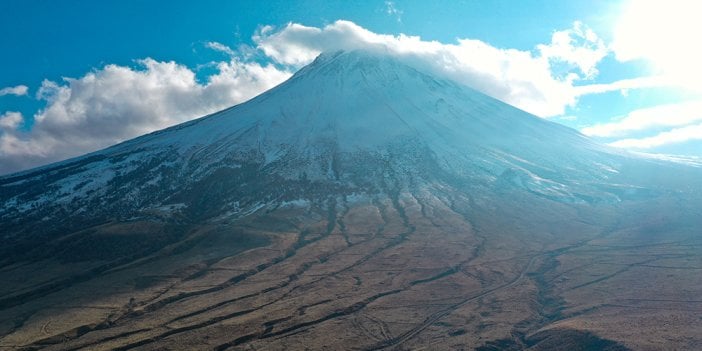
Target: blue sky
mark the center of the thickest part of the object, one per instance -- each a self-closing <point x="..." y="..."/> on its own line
<point x="76" y="76"/>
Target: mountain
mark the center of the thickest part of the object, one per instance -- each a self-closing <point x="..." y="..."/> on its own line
<point x="361" y="204"/>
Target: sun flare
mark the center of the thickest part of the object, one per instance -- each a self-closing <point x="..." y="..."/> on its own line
<point x="664" y="34"/>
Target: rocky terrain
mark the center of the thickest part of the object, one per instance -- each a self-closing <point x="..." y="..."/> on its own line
<point x="363" y="204"/>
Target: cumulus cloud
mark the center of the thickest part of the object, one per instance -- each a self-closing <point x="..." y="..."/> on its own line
<point x="670" y="115"/>
<point x="677" y="135"/>
<point x="116" y="103"/>
<point x="16" y="90"/>
<point x="578" y="46"/>
<point x="10" y="120"/>
<point x="525" y="79"/>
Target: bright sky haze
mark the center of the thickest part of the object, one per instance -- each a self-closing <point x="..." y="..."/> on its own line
<point x="77" y="76"/>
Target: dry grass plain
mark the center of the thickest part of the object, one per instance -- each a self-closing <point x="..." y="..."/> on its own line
<point x="429" y="270"/>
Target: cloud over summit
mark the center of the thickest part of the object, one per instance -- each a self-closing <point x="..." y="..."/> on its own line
<point x="526" y="79"/>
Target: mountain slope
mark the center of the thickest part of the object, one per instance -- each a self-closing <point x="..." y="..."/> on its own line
<point x="360" y="203"/>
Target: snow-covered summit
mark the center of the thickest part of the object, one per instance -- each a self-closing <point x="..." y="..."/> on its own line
<point x="358" y="101"/>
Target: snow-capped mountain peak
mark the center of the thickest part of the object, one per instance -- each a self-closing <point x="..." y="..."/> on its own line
<point x="343" y="124"/>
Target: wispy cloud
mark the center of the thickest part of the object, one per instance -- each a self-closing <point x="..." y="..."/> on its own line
<point x="392" y="10"/>
<point x="221" y="48"/>
<point x="677" y="135"/>
<point x="670" y="115"/>
<point x="16" y="90"/>
<point x="624" y="85"/>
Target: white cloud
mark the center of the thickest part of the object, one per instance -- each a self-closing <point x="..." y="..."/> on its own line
<point x="578" y="46"/>
<point x="671" y="115"/>
<point x="116" y="103"/>
<point x="521" y="78"/>
<point x="16" y="90"/>
<point x="677" y="135"/>
<point x="10" y="120"/>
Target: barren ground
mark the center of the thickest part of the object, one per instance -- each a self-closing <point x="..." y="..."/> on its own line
<point x="417" y="271"/>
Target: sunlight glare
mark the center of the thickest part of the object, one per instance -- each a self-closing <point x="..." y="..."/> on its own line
<point x="664" y="33"/>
